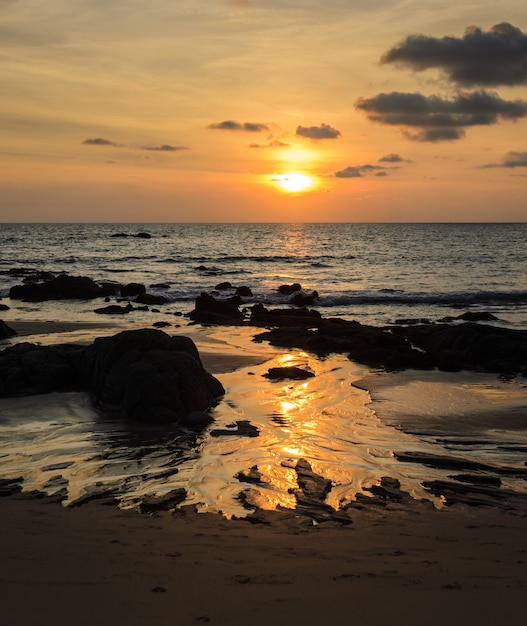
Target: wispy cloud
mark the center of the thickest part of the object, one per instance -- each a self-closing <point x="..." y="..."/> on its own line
<point x="99" y="141"/>
<point x="324" y="131"/>
<point x="511" y="160"/>
<point x="164" y="148"/>
<point x="251" y="127"/>
<point x="479" y="58"/>
<point x="357" y="171"/>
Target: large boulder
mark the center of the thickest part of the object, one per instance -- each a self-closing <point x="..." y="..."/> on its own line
<point x="6" y="331"/>
<point x="150" y="376"/>
<point x="27" y="369"/>
<point x="210" y="310"/>
<point x="62" y="287"/>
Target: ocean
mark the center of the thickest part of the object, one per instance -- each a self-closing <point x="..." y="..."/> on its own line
<point x="350" y="423"/>
<point x="374" y="273"/>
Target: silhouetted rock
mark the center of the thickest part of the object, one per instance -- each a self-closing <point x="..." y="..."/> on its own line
<point x="132" y="289"/>
<point x="4" y="307"/>
<point x="285" y="373"/>
<point x="287" y="290"/>
<point x="210" y="310"/>
<point x="164" y="502"/>
<point x="477" y="316"/>
<point x="161" y="324"/>
<point x="244" y="292"/>
<point x="62" y="287"/>
<point x="143" y="236"/>
<point x="27" y="369"/>
<point x="260" y="316"/>
<point x="225" y="286"/>
<point x="6" y="331"/>
<point x="160" y="286"/>
<point x="149" y="376"/>
<point x="301" y="299"/>
<point x="242" y="428"/>
<point x="114" y="309"/>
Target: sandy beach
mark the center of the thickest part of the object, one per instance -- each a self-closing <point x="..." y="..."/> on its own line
<point x="399" y="561"/>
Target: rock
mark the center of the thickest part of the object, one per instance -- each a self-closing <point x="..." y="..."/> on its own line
<point x="301" y="299"/>
<point x="210" y="310"/>
<point x="160" y="286"/>
<point x="288" y="290"/>
<point x="476" y="316"/>
<point x="243" y="428"/>
<point x="244" y="292"/>
<point x="132" y="289"/>
<point x="252" y="475"/>
<point x="6" y="331"/>
<point x="4" y="307"/>
<point x="148" y="298"/>
<point x="143" y="236"/>
<point x="223" y="286"/>
<point x="28" y="369"/>
<point x="63" y="287"/>
<point x="114" y="309"/>
<point x="284" y="373"/>
<point x="161" y="324"/>
<point x="260" y="316"/>
<point x="149" y="376"/>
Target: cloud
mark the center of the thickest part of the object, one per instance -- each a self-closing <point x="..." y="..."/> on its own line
<point x="324" y="131"/>
<point x="274" y="143"/>
<point x="164" y="148"/>
<point x="479" y="58"/>
<point x="393" y="158"/>
<point x="356" y="171"/>
<point x="251" y="127"/>
<point x="99" y="141"/>
<point x="439" y="118"/>
<point x="511" y="160"/>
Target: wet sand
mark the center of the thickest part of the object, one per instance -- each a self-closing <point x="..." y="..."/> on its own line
<point x="394" y="564"/>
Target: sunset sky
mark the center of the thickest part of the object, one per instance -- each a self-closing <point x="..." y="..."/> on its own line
<point x="263" y="110"/>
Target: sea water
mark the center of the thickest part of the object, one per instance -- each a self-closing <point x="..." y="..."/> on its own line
<point x="61" y="444"/>
<point x="374" y="273"/>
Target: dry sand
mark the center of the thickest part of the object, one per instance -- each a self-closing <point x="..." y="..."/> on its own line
<point x="99" y="565"/>
<point x="394" y="565"/>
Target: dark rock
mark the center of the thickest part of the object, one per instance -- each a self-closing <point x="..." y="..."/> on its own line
<point x="113" y="309"/>
<point x="120" y="235"/>
<point x="62" y="287"/>
<point x="288" y="290"/>
<point x="165" y="502"/>
<point x="143" y="236"/>
<point x="284" y="373"/>
<point x="244" y="428"/>
<point x="244" y="292"/>
<point x="6" y="331"/>
<point x="210" y="310"/>
<point x="160" y="286"/>
<point x="132" y="289"/>
<point x="4" y="307"/>
<point x="148" y="298"/>
<point x="28" y="369"/>
<point x="10" y="486"/>
<point x="252" y="475"/>
<point x="161" y="324"/>
<point x="475" y="316"/>
<point x="260" y="316"/>
<point x="410" y="321"/>
<point x="223" y="286"/>
<point x="149" y="376"/>
<point x="301" y="299"/>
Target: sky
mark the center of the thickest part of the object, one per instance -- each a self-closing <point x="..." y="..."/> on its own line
<point x="263" y="111"/>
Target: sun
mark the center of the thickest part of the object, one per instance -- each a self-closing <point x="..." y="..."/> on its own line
<point x="293" y="182"/>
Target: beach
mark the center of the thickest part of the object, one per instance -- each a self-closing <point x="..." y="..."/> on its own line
<point x="397" y="559"/>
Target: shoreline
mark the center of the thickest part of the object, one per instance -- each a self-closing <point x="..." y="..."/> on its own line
<point x="400" y="561"/>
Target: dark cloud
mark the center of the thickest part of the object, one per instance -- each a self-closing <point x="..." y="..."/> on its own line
<point x="511" y="160"/>
<point x="496" y="57"/>
<point x="251" y="127"/>
<point x="393" y="158"/>
<point x="164" y="148"/>
<point x="440" y="118"/>
<point x="356" y="171"/>
<point x="274" y="143"/>
<point x="99" y="141"/>
<point x="381" y="174"/>
<point x="324" y="131"/>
